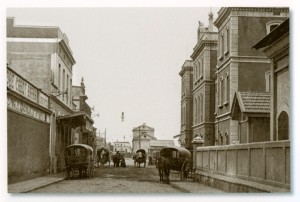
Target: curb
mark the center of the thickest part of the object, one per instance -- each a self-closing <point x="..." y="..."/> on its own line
<point x="15" y="190"/>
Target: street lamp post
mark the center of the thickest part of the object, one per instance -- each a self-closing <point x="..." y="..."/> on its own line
<point x="139" y="137"/>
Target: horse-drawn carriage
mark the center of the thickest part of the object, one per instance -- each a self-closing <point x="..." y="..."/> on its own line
<point x="140" y="157"/>
<point x="79" y="158"/>
<point x="178" y="160"/>
<point x="103" y="157"/>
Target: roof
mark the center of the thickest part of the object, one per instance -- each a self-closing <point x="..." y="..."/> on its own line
<point x="76" y="119"/>
<point x="251" y="102"/>
<point x="81" y="145"/>
<point x="161" y="143"/>
<point x="143" y="127"/>
<point x="183" y="151"/>
<point x="274" y="35"/>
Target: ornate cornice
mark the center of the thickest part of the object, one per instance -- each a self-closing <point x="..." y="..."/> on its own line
<point x="200" y="46"/>
<point x="224" y="12"/>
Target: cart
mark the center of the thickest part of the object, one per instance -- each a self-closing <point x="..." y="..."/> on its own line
<point x="179" y="160"/>
<point x="79" y="159"/>
<point x="103" y="157"/>
<point x="140" y="157"/>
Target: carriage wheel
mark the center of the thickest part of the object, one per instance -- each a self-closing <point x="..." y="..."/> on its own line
<point x="92" y="171"/>
<point x="68" y="174"/>
<point x="185" y="170"/>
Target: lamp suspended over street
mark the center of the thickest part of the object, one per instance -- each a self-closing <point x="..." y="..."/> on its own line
<point x="122" y="116"/>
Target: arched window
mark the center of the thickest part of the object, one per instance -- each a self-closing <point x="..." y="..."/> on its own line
<point x="198" y="109"/>
<point x="283" y="126"/>
<point x="227" y="89"/>
<point x="220" y="139"/>
<point x="202" y="67"/>
<point x="201" y="108"/>
<point x="221" y="91"/>
<point x="227" y="138"/>
<point x="195" y="111"/>
<point x="272" y="25"/>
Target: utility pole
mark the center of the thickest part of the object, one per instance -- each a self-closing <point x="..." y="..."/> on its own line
<point x="105" y="138"/>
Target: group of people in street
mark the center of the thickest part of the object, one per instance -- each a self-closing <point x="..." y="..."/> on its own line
<point x="119" y="160"/>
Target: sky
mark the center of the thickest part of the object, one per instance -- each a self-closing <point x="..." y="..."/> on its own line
<point x="129" y="58"/>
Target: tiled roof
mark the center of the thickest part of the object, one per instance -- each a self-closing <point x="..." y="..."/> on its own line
<point x="255" y="102"/>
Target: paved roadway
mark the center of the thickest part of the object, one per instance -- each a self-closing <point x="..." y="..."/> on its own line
<point x="125" y="180"/>
<point x="114" y="180"/>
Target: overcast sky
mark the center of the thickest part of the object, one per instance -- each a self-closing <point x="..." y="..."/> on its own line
<point x="129" y="58"/>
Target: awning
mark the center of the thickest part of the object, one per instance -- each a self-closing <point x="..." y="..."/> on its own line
<point x="76" y="119"/>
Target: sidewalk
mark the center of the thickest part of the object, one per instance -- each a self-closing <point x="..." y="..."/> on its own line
<point x="30" y="185"/>
<point x="194" y="187"/>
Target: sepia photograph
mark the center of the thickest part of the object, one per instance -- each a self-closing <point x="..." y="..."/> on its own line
<point x="149" y="100"/>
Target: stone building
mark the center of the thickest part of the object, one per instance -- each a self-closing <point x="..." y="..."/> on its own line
<point x="276" y="46"/>
<point x="204" y="61"/>
<point x="141" y="137"/>
<point x="123" y="147"/>
<point x="186" y="130"/>
<point x="42" y="56"/>
<point x="28" y="129"/>
<point x="240" y="68"/>
<point x="83" y="134"/>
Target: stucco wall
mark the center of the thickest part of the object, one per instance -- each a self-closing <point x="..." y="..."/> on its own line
<point x="28" y="147"/>
<point x="265" y="163"/>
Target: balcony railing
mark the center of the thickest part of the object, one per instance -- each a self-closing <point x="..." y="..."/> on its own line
<point x="23" y="87"/>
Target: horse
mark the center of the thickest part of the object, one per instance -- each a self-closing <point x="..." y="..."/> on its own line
<point x="103" y="157"/>
<point x="163" y="167"/>
<point x="116" y="160"/>
<point x="159" y="166"/>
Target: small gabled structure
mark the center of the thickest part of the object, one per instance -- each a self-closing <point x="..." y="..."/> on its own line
<point x="252" y="111"/>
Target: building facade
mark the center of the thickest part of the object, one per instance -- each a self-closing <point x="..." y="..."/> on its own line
<point x="186" y="130"/>
<point x="240" y="68"/>
<point x="42" y="56"/>
<point x="124" y="148"/>
<point x="141" y="137"/>
<point x="28" y="129"/>
<point x="204" y="58"/>
<point x="276" y="46"/>
<point x="83" y="134"/>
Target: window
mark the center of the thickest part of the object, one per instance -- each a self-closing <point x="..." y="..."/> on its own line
<point x="63" y="84"/>
<point x="227" y="138"/>
<point x="216" y="96"/>
<point x="202" y="67"/>
<point x="198" y="110"/>
<point x="70" y="91"/>
<point x="201" y="108"/>
<point x="272" y="25"/>
<point x="59" y="70"/>
<point x="67" y="95"/>
<point x="227" y="89"/>
<point x="182" y="86"/>
<point x="227" y="41"/>
<point x="221" y="44"/>
<point x="221" y="91"/>
<point x="195" y="110"/>
<point x="283" y="126"/>
<point x="198" y="70"/>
